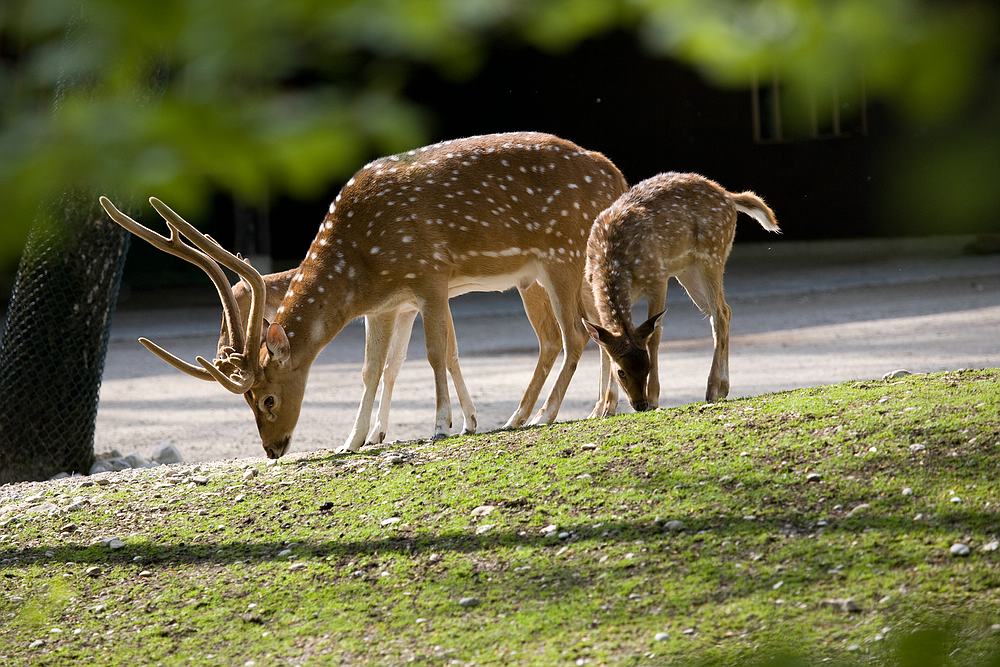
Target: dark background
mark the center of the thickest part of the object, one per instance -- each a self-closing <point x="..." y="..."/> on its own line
<point x="647" y="114"/>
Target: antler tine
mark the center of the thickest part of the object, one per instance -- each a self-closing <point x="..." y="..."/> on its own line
<point x="179" y="364"/>
<point x="258" y="290"/>
<point x="241" y="387"/>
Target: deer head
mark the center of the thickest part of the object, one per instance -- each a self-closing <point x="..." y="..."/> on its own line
<point x="630" y="356"/>
<point x="253" y="357"/>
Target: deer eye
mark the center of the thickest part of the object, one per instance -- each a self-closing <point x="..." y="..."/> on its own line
<point x="268" y="402"/>
<point x="621" y="373"/>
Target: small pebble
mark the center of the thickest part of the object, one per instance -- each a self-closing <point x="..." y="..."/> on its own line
<point x="955" y="499"/>
<point x="93" y="571"/>
<point x="250" y="473"/>
<point x="917" y="447"/>
<point x="661" y="636"/>
<point x="858" y="509"/>
<point x="115" y="544"/>
<point x="674" y="526"/>
<point x="68" y="528"/>
<point x="391" y="521"/>
<point x="588" y="446"/>
<point x="907" y="491"/>
<point x="284" y="553"/>
<point x="294" y="567"/>
<point x="549" y="529"/>
<point x="483" y="510"/>
<point x="145" y="573"/>
<point x="102" y="481"/>
<point x="991" y="546"/>
<point x="896" y="374"/>
<point x="200" y="480"/>
<point x="37" y="643"/>
<point x="485" y="528"/>
<point x="960" y="549"/>
<point x="846" y="605"/>
<point x="813" y="477"/>
<point x="468" y="602"/>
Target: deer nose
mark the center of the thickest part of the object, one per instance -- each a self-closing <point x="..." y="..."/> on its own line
<point x="640" y="406"/>
<point x="277" y="449"/>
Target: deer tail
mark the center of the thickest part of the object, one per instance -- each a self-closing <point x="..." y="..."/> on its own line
<point x="749" y="203"/>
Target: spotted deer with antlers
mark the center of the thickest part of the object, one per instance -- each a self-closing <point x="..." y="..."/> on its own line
<point x="407" y="232"/>
<point x="671" y="225"/>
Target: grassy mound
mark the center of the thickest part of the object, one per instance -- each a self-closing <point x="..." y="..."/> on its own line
<point x="820" y="521"/>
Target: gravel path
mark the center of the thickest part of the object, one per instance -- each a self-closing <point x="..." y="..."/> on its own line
<point x="803" y="314"/>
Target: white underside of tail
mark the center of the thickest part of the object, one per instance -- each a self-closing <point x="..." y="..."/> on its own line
<point x="760" y="216"/>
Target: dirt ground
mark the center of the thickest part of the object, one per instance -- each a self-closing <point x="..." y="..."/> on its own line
<point x="803" y="314"/>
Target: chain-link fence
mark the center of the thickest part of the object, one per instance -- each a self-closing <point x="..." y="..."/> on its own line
<point x="54" y="341"/>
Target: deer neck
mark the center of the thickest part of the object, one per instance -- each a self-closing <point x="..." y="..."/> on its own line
<point x="612" y="285"/>
<point x="612" y="253"/>
<point x="324" y="295"/>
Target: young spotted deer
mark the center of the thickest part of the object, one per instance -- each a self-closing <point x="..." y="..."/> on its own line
<point x="679" y="225"/>
<point x="408" y="232"/>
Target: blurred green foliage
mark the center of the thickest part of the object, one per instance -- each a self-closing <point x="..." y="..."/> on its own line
<point x="255" y="97"/>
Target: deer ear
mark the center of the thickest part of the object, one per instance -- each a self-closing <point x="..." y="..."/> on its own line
<point x="276" y="342"/>
<point x="600" y="335"/>
<point x="646" y="328"/>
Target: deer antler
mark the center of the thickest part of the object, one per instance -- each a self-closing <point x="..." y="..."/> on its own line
<point x="242" y="379"/>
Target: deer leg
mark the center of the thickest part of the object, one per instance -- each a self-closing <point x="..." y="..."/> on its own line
<point x="455" y="370"/>
<point x="704" y="286"/>
<point x="564" y="293"/>
<point x="543" y="321"/>
<point x="657" y="303"/>
<point x="437" y="322"/>
<point x="396" y="356"/>
<point x="378" y="333"/>
<point x="607" y="396"/>
<point x="607" y="402"/>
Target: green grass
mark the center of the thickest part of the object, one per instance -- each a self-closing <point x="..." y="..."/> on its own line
<point x="201" y="579"/>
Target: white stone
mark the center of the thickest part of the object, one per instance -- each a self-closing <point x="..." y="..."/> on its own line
<point x="960" y="549"/>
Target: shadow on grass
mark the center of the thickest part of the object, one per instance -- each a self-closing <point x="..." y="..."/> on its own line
<point x="588" y="535"/>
